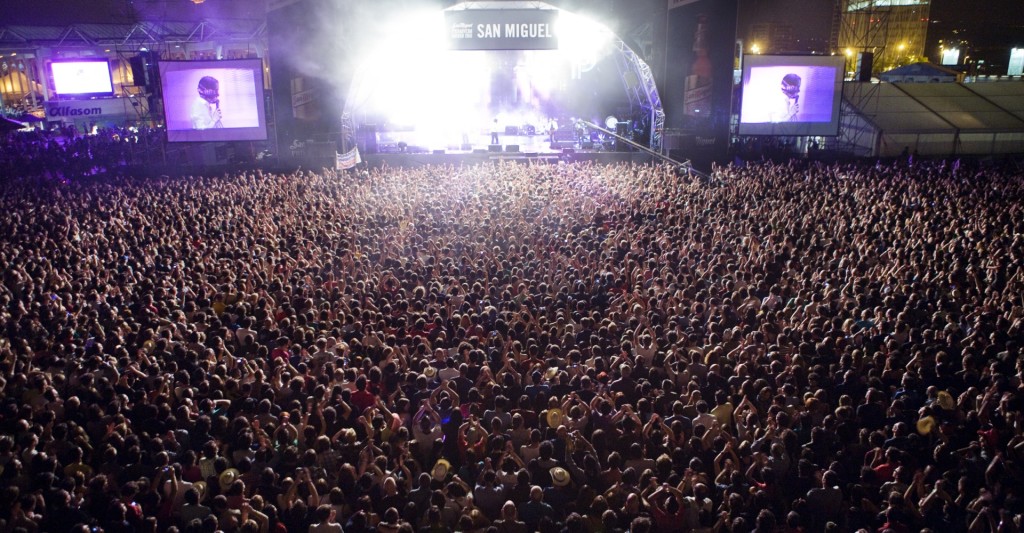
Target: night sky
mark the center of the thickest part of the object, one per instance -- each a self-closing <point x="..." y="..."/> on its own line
<point x="992" y="30"/>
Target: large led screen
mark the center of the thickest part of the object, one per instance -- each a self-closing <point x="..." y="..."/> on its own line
<point x="791" y="95"/>
<point x="85" y="77"/>
<point x="213" y="100"/>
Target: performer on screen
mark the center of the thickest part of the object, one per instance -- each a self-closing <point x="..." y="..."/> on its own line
<point x="205" y="113"/>
<point x="789" y="105"/>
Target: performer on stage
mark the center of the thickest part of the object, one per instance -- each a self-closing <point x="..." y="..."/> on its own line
<point x="494" y="133"/>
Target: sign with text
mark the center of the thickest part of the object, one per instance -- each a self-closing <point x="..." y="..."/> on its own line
<point x="501" y="29"/>
<point x="71" y="110"/>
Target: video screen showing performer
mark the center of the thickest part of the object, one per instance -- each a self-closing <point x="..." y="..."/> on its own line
<point x="213" y="100"/>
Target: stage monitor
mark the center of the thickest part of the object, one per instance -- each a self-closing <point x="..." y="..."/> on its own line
<point x="213" y="100"/>
<point x="82" y="78"/>
<point x="791" y="95"/>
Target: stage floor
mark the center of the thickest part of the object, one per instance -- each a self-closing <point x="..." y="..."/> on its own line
<point x="539" y="144"/>
<point x="475" y="158"/>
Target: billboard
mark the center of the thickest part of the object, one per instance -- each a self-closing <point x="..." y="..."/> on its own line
<point x="213" y="100"/>
<point x="951" y="56"/>
<point x="791" y="95"/>
<point x="698" y="89"/>
<point x="501" y="29"/>
<point x="82" y="77"/>
<point x="103" y="109"/>
<point x="1016" y="65"/>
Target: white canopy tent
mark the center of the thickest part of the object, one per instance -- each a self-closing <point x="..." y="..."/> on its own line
<point x="933" y="119"/>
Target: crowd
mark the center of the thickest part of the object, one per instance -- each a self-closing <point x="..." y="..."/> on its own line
<point x="67" y="153"/>
<point x="513" y="348"/>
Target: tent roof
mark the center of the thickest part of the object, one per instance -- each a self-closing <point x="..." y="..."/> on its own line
<point x="891" y="109"/>
<point x="921" y="69"/>
<point x="1007" y="95"/>
<point x="938" y="107"/>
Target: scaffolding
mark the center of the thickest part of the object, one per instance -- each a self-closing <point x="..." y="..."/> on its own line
<point x="894" y="31"/>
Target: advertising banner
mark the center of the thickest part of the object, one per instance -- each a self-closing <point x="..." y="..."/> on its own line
<point x="501" y="29"/>
<point x="72" y="110"/>
<point x="699" y="70"/>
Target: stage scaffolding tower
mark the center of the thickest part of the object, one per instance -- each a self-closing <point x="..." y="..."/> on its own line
<point x="893" y="31"/>
<point x="875" y="36"/>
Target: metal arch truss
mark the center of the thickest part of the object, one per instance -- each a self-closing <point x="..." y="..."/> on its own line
<point x="642" y="91"/>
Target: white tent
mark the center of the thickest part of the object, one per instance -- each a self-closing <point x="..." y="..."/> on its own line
<point x="933" y="119"/>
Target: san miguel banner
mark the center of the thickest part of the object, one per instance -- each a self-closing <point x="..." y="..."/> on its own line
<point x="501" y="29"/>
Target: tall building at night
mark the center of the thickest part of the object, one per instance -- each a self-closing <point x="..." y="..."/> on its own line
<point x="893" y="31"/>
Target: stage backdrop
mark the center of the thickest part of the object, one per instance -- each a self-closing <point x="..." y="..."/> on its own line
<point x="697" y="96"/>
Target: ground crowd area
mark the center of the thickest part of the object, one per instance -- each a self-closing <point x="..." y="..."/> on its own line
<point x="514" y="347"/>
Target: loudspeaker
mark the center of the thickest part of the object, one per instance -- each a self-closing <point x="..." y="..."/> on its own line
<point x="138" y="71"/>
<point x="144" y="70"/>
<point x="438" y="152"/>
<point x="511" y="147"/>
<point x="494" y="148"/>
<point x="622" y="130"/>
<point x="366" y="138"/>
<point x="864" y="65"/>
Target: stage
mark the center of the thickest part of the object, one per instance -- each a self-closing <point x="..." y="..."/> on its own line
<point x="475" y="158"/>
<point x="515" y="145"/>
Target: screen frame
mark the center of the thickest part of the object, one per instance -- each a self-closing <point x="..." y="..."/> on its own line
<point x="169" y="68"/>
<point x="828" y="128"/>
<point x="94" y="94"/>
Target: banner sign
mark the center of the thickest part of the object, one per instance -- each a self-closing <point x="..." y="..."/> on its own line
<point x="71" y="110"/>
<point x="698" y="87"/>
<point x="348" y="159"/>
<point x="501" y="29"/>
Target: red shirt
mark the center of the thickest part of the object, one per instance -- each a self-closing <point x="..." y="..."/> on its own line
<point x="362" y="399"/>
<point x="885" y="471"/>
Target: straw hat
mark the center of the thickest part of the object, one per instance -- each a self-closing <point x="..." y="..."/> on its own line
<point x="226" y="478"/>
<point x="926" y="425"/>
<point x="441" y="469"/>
<point x="554" y="417"/>
<point x="201" y="487"/>
<point x="945" y="401"/>
<point x="560" y="476"/>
